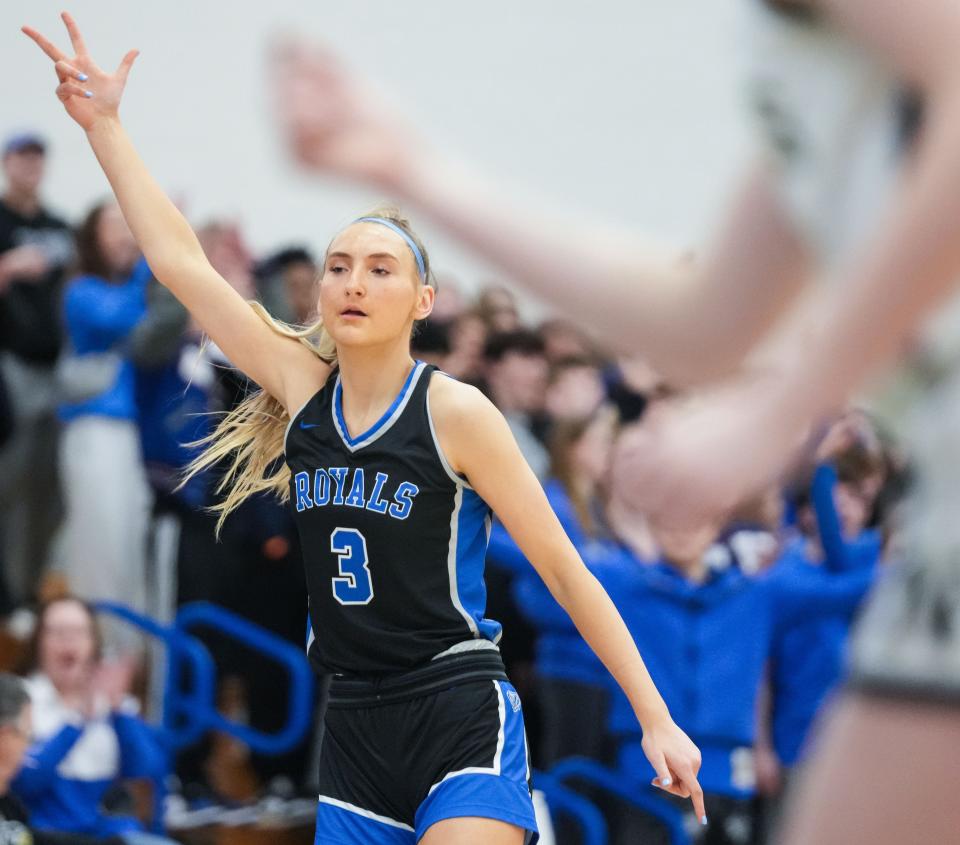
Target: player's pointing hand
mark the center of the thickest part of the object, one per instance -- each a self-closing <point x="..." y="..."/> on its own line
<point x="676" y="761"/>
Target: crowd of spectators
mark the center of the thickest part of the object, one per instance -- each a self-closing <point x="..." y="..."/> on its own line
<point x="104" y="383"/>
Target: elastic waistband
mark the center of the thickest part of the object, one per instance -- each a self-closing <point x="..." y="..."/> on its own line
<point x="440" y="673"/>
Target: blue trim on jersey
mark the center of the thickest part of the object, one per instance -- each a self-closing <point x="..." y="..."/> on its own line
<point x="338" y="408"/>
<point x="471" y="555"/>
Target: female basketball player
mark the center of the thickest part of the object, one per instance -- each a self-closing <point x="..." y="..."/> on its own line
<point x="392" y="473"/>
<point x="828" y="79"/>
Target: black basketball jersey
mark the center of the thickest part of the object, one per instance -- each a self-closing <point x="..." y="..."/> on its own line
<point x="393" y="540"/>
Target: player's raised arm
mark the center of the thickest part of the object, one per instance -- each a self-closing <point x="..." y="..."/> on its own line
<point x="631" y="293"/>
<point x="284" y="367"/>
<point x="478" y="444"/>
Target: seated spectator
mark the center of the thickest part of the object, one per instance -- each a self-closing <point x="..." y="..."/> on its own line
<point x="87" y="738"/>
<point x="15" y="731"/>
<point x="104" y="482"/>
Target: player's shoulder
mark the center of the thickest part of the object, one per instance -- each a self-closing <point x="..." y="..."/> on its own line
<point x="451" y="398"/>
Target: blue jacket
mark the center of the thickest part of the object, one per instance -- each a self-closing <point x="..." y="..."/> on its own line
<point x="98" y="317"/>
<point x="67" y="772"/>
<point x="706" y="646"/>
<point x="807" y="657"/>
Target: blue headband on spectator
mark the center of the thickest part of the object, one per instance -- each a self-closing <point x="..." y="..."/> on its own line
<point x="421" y="267"/>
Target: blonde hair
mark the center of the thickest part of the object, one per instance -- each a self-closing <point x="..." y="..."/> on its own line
<point x="250" y="438"/>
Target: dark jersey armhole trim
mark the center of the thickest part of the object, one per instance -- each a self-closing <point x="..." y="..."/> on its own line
<point x="456" y="479"/>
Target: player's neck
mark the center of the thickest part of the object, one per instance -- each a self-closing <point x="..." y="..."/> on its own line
<point x="371" y="380"/>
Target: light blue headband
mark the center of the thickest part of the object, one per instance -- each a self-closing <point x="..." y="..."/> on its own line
<point x="421" y="267"/>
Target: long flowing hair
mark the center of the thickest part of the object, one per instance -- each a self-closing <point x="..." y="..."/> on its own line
<point x="248" y="442"/>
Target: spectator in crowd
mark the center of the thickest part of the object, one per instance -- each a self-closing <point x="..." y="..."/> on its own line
<point x="287" y="284"/>
<point x="15" y="731"/>
<point x="707" y="633"/>
<point x="575" y="389"/>
<point x="431" y="343"/>
<point x="35" y="248"/>
<point x="467" y="336"/>
<point x="105" y="487"/>
<point x="497" y="305"/>
<point x="563" y="340"/>
<point x="807" y="657"/>
<point x="87" y="736"/>
<point x="516" y="378"/>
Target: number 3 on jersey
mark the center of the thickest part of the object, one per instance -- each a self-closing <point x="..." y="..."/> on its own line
<point x="353" y="586"/>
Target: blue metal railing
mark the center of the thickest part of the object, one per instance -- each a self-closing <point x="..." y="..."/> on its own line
<point x="190" y="683"/>
<point x="626" y="789"/>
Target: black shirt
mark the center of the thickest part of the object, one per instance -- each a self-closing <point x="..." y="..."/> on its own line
<point x="30" y="323"/>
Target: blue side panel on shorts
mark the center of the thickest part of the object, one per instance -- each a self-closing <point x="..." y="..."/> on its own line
<point x="500" y="792"/>
<point x="339" y="823"/>
<point x="471" y="554"/>
<point x="514" y="763"/>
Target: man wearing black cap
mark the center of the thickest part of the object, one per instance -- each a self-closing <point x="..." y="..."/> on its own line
<point x="35" y="248"/>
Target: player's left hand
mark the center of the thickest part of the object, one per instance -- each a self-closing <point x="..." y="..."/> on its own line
<point x="676" y="761"/>
<point x="333" y="121"/>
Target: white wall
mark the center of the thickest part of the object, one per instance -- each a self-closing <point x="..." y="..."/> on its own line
<point x="622" y="109"/>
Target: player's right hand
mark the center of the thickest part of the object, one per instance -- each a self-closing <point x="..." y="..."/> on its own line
<point x="88" y="93"/>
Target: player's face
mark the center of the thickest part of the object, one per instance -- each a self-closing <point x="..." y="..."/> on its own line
<point x="370" y="292"/>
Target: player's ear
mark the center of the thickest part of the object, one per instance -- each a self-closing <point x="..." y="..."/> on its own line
<point x="426" y="296"/>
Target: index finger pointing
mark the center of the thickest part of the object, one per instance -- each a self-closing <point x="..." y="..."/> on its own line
<point x="696" y="796"/>
<point x="48" y="47"/>
<point x="74" y="31"/>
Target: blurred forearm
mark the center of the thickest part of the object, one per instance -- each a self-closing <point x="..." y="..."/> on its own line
<point x="694" y="318"/>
